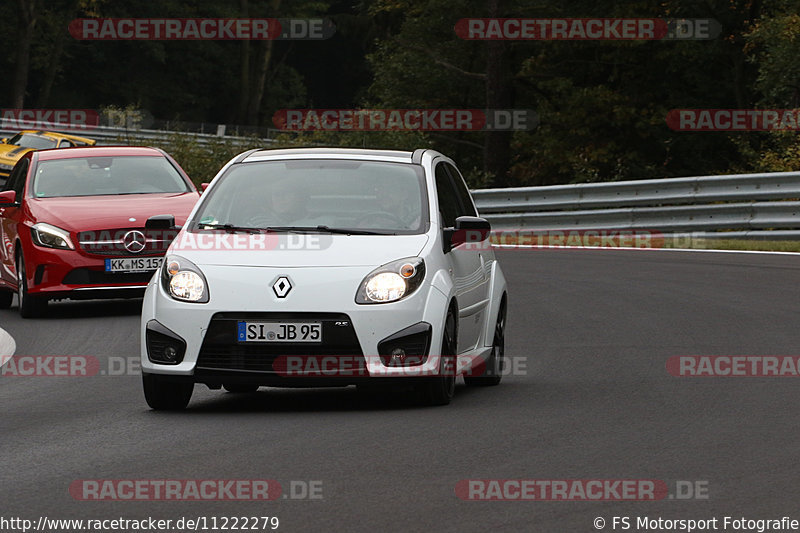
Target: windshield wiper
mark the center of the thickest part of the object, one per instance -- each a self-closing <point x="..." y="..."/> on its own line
<point x="328" y="229"/>
<point x="230" y="228"/>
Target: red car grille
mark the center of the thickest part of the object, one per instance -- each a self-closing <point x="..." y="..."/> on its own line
<point x="126" y="242"/>
<point x="85" y="276"/>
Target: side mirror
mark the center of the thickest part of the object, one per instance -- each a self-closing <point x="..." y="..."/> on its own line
<point x="203" y="187"/>
<point x="4" y="140"/>
<point x="8" y="199"/>
<point x="160" y="222"/>
<point x="472" y="231"/>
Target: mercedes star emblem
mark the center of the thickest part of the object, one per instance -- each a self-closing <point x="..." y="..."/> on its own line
<point x="134" y="241"/>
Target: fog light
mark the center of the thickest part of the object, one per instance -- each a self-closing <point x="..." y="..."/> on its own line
<point x="163" y="345"/>
<point x="408" y="347"/>
<point x="170" y="353"/>
<point x="398" y="357"/>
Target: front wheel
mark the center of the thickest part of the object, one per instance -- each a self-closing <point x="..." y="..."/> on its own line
<point x="165" y="394"/>
<point x="29" y="306"/>
<point x="439" y="390"/>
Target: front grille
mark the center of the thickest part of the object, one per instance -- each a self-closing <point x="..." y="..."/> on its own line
<point x="85" y="276"/>
<point x="221" y="350"/>
<point x="111" y="242"/>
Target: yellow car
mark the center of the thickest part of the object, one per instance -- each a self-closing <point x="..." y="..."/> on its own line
<point x="12" y="150"/>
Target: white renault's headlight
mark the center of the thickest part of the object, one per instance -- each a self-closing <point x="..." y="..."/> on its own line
<point x="51" y="236"/>
<point x="386" y="287"/>
<point x="183" y="280"/>
<point x="186" y="285"/>
<point x="392" y="281"/>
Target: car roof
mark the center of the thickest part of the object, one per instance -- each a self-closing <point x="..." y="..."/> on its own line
<point x="396" y="156"/>
<point x="98" y="151"/>
<point x="56" y="135"/>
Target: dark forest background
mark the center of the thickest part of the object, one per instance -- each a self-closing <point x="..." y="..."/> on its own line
<point x="601" y="105"/>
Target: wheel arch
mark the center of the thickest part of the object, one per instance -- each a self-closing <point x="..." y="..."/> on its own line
<point x="498" y="286"/>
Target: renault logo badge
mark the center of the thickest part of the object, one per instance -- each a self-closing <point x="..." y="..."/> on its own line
<point x="281" y="287"/>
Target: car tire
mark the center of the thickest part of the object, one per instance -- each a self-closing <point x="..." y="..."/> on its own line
<point x="492" y="370"/>
<point x="239" y="388"/>
<point x="6" y="297"/>
<point x="29" y="306"/>
<point x="165" y="394"/>
<point x="440" y="389"/>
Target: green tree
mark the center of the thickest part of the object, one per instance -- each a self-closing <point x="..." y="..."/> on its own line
<point x="773" y="46"/>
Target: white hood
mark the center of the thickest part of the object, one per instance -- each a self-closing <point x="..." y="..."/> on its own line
<point x="295" y="249"/>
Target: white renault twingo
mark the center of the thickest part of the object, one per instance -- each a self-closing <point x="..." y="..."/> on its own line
<point x="326" y="267"/>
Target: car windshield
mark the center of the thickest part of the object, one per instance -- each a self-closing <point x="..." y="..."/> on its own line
<point x="28" y="140"/>
<point x="326" y="195"/>
<point x="97" y="175"/>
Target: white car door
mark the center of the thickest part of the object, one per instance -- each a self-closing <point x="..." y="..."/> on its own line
<point x="466" y="260"/>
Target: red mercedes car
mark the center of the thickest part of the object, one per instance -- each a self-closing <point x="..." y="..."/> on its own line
<point x="88" y="223"/>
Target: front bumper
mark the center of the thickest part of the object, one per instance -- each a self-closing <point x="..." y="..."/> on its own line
<point x="71" y="274"/>
<point x="357" y="339"/>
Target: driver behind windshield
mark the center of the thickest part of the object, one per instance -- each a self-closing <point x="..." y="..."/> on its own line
<point x="289" y="203"/>
<point x="284" y="203"/>
<point x="396" y="201"/>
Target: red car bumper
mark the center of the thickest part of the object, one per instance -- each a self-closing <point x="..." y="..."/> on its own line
<point x="75" y="274"/>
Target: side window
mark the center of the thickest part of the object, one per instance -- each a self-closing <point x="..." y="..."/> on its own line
<point x="9" y="182"/>
<point x="16" y="180"/>
<point x="65" y="144"/>
<point x="466" y="208"/>
<point x="19" y="184"/>
<point x="448" y="199"/>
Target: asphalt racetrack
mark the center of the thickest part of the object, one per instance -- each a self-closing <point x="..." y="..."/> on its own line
<point x="588" y="398"/>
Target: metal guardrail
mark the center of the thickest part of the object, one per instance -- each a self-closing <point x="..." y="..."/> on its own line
<point x="752" y="206"/>
<point x="106" y="135"/>
<point x="764" y="206"/>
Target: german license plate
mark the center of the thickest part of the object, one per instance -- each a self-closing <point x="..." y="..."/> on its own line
<point x="279" y="331"/>
<point x="134" y="264"/>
